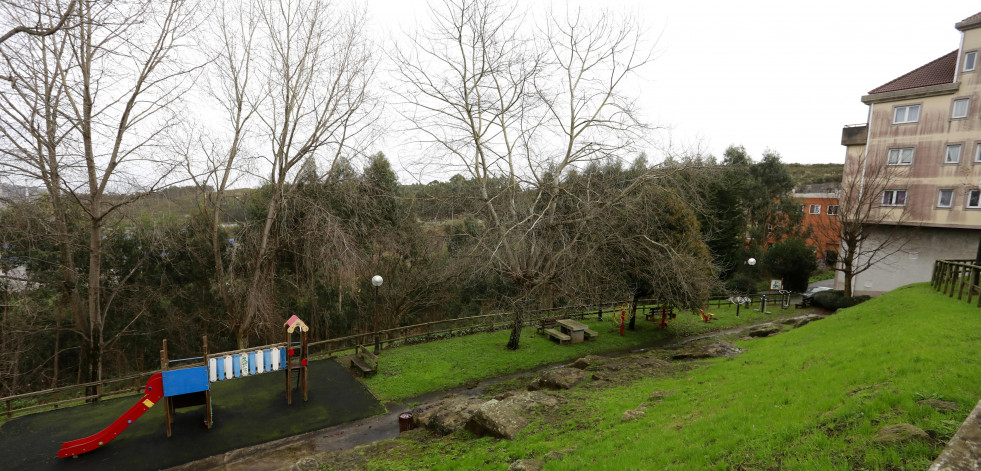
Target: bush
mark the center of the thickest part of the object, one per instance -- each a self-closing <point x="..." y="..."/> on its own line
<point x="793" y="261"/>
<point x="834" y="300"/>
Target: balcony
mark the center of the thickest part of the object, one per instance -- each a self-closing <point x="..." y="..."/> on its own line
<point x="854" y="134"/>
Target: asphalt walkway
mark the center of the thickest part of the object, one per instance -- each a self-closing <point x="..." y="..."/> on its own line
<point x="247" y="411"/>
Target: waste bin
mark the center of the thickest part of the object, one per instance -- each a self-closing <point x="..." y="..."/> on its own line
<point x="406" y="422"/>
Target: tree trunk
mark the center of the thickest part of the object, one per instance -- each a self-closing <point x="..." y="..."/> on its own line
<point x="633" y="311"/>
<point x="515" y="339"/>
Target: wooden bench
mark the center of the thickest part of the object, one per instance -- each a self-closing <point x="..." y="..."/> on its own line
<point x="558" y="336"/>
<point x="547" y="323"/>
<point x="805" y="302"/>
<point x="363" y="362"/>
<point x="590" y="334"/>
<point x="654" y="313"/>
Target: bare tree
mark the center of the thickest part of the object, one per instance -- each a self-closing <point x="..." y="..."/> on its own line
<point x="108" y="88"/>
<point x="872" y="210"/>
<point x="298" y="85"/>
<point x="519" y="110"/>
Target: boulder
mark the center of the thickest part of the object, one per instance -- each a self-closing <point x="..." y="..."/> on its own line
<point x="526" y="465"/>
<point x="445" y="417"/>
<point x="586" y="361"/>
<point x="561" y="378"/>
<point x="496" y="419"/>
<point x="899" y="433"/>
<point x="764" y="330"/>
<point x="632" y="414"/>
<point x="503" y="418"/>
<point x="659" y="395"/>
<point x="937" y="404"/>
<point x="306" y="464"/>
<point x="721" y="349"/>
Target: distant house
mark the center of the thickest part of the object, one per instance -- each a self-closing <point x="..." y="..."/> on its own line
<point x="11" y="193"/>
<point x="820" y="207"/>
<point x="925" y="129"/>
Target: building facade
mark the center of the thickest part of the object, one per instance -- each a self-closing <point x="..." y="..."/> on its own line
<point x="924" y="133"/>
<point x="819" y="203"/>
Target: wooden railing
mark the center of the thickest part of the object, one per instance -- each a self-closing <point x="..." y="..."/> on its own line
<point x="957" y="276"/>
<point x="411" y="334"/>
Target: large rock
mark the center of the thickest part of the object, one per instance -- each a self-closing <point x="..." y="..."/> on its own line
<point x="561" y="378"/>
<point x="496" y="419"/>
<point x="720" y="349"/>
<point x="503" y="419"/>
<point x="899" y="433"/>
<point x="937" y="404"/>
<point x="764" y="330"/>
<point x="448" y="415"/>
<point x="586" y="361"/>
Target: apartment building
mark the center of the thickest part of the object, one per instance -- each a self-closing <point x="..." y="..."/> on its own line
<point x="924" y="131"/>
<point x="819" y="203"/>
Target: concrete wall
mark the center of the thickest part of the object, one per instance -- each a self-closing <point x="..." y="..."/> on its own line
<point x="915" y="263"/>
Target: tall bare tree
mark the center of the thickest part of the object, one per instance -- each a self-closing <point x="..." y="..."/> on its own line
<point x="107" y="88"/>
<point x="519" y="109"/>
<point x="870" y="217"/>
<point x="296" y="85"/>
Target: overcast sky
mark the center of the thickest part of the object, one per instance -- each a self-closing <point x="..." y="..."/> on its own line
<point x="764" y="74"/>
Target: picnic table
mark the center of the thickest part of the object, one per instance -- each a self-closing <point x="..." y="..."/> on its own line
<point x="577" y="331"/>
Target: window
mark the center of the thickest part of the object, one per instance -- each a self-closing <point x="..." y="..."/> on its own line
<point x="970" y="60"/>
<point x="903" y="156"/>
<point x="814" y="209"/>
<point x="894" y="197"/>
<point x="906" y="114"/>
<point x="977" y="152"/>
<point x="832" y="209"/>
<point x="946" y="199"/>
<point x="800" y="208"/>
<point x="974" y="199"/>
<point x="960" y="108"/>
<point x="953" y="154"/>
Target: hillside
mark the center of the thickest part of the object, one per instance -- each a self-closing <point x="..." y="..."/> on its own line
<point x="808" y="398"/>
<point x="806" y="174"/>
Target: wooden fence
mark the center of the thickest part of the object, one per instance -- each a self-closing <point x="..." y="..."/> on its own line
<point x="398" y="336"/>
<point x="957" y="276"/>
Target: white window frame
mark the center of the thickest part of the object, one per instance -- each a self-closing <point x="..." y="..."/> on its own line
<point x="907" y="111"/>
<point x="953" y="157"/>
<point x="977" y="152"/>
<point x="890" y="197"/>
<point x="950" y="198"/>
<point x="895" y="156"/>
<point x="970" y="61"/>
<point x="814" y="209"/>
<point x="832" y="210"/>
<point x="973" y="195"/>
<point x="954" y="114"/>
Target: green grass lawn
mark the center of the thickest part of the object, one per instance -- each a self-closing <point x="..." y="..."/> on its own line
<point x="811" y="398"/>
<point x="412" y="370"/>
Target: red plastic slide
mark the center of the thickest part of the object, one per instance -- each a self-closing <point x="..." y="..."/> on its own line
<point x="154" y="392"/>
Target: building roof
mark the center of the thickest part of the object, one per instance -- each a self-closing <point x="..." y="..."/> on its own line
<point x="970" y="22"/>
<point x="937" y="72"/>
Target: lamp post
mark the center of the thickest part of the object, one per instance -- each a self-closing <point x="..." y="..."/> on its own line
<point x="751" y="262"/>
<point x="376" y="281"/>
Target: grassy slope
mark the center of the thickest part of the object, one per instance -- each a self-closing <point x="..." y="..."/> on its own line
<point x="409" y="371"/>
<point x="811" y="398"/>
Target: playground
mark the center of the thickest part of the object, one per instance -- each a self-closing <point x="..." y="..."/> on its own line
<point x="246" y="411"/>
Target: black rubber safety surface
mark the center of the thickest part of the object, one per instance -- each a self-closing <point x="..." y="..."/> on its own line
<point x="247" y="411"/>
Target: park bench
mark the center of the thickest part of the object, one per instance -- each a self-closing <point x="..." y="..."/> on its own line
<point x="547" y="323"/>
<point x="654" y="313"/>
<point x="363" y="362"/>
<point x="558" y="336"/>
<point x="590" y="334"/>
<point x="805" y="302"/>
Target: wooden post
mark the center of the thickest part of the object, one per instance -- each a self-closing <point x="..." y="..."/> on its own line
<point x="168" y="404"/>
<point x="208" y="418"/>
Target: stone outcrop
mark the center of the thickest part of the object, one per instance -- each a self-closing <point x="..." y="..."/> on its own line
<point x="720" y="349"/>
<point x="561" y="378"/>
<point x="503" y="418"/>
<point x="448" y="415"/>
<point x="900" y="433"/>
<point x="764" y="330"/>
<point x="526" y="465"/>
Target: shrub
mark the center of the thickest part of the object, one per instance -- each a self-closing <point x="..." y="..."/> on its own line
<point x="834" y="300"/>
